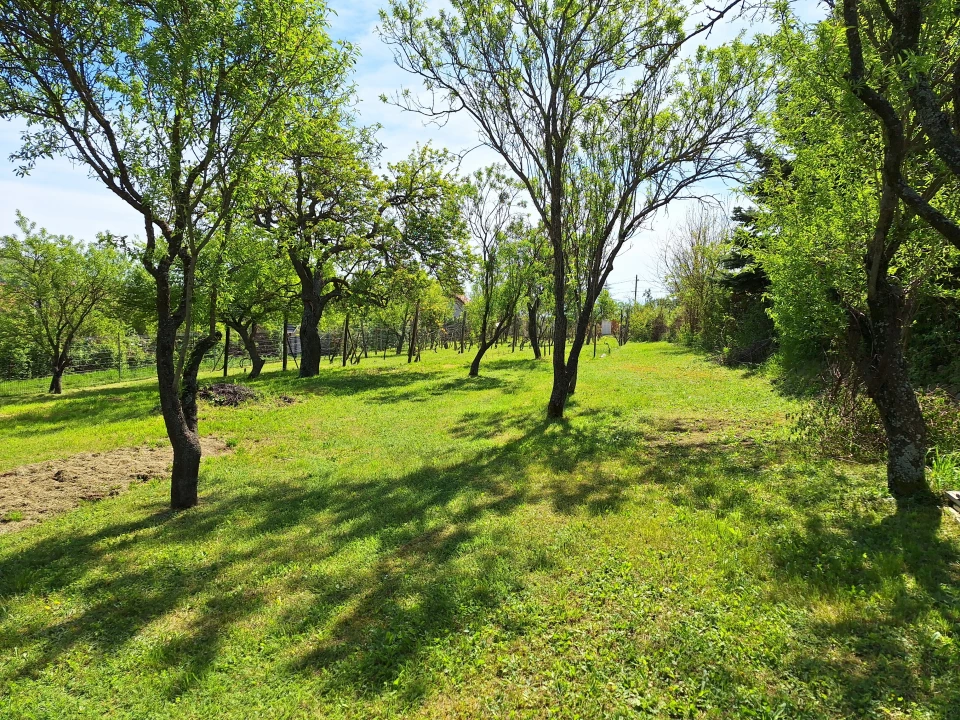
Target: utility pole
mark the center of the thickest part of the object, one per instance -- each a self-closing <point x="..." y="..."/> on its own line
<point x="636" y="284"/>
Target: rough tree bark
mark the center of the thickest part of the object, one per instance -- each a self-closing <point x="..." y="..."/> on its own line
<point x="561" y="381"/>
<point x="533" y="327"/>
<point x="247" y="335"/>
<point x="61" y="361"/>
<point x="413" y="334"/>
<point x="314" y="300"/>
<point x="310" y="349"/>
<point x="179" y="409"/>
<point x="876" y="339"/>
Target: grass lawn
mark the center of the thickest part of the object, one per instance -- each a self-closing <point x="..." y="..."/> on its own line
<point x="406" y="542"/>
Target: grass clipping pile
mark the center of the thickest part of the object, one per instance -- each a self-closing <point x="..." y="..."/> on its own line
<point x="226" y="394"/>
<point x="33" y="493"/>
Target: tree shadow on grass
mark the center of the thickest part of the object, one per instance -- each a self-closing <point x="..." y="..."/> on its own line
<point x="144" y="385"/>
<point x="897" y="579"/>
<point x="514" y="363"/>
<point x="84" y="409"/>
<point x="381" y="385"/>
<point x="344" y="381"/>
<point x="353" y="626"/>
<point x="890" y="576"/>
<point x="373" y="573"/>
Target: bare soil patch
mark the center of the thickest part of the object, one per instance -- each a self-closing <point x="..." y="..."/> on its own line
<point x="33" y="493"/>
<point x="226" y="394"/>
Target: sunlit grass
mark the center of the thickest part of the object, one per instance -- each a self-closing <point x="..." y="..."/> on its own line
<point x="403" y="541"/>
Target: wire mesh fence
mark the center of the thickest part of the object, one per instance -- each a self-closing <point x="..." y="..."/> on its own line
<point x="99" y="361"/>
<point x="94" y="361"/>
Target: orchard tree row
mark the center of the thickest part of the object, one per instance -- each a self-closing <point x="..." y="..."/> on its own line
<point x="229" y="127"/>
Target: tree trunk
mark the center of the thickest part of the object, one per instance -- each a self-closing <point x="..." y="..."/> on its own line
<point x="413" y="334"/>
<point x="183" y="431"/>
<point x="250" y="345"/>
<point x="310" y="349"/>
<point x="573" y="368"/>
<point x="565" y="382"/>
<point x="475" y="365"/>
<point x="61" y="360"/>
<point x="533" y="328"/>
<point x="878" y="348"/>
<point x="185" y="443"/>
<point x="402" y="336"/>
<point x="906" y="435"/>
<point x="558" y="394"/>
<point x="346" y="338"/>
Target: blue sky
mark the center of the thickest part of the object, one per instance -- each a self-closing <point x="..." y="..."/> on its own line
<point x="63" y="199"/>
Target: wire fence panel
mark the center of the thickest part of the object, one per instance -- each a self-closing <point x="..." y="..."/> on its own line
<point x="99" y="361"/>
<point x="105" y="361"/>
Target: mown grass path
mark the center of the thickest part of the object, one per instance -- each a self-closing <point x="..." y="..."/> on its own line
<point x="406" y="542"/>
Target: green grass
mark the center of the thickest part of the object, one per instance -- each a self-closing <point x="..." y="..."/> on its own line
<point x="72" y="380"/>
<point x="43" y="426"/>
<point x="407" y="542"/>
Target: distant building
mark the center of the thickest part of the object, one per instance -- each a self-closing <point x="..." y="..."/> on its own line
<point x="293" y="340"/>
<point x="458" y="303"/>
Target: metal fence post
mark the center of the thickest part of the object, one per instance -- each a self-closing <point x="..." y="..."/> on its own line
<point x="226" y="352"/>
<point x="283" y="339"/>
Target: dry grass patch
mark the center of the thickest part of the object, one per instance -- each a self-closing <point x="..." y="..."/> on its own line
<point x="32" y="493"/>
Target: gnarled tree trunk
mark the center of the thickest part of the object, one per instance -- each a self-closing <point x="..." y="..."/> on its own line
<point x="248" y="337"/>
<point x="310" y="350"/>
<point x="877" y="344"/>
<point x="180" y="411"/>
<point x="565" y="369"/>
<point x="61" y="361"/>
<point x="533" y="328"/>
<point x="56" y="381"/>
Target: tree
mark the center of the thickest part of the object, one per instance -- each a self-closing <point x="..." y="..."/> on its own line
<point x="319" y="204"/>
<point x="547" y="85"/>
<point x="691" y="260"/>
<point x="908" y="72"/>
<point x="56" y="285"/>
<point x="341" y="226"/>
<point x="846" y="257"/>
<point x="258" y="285"/>
<point x="499" y="232"/>
<point x="169" y="104"/>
